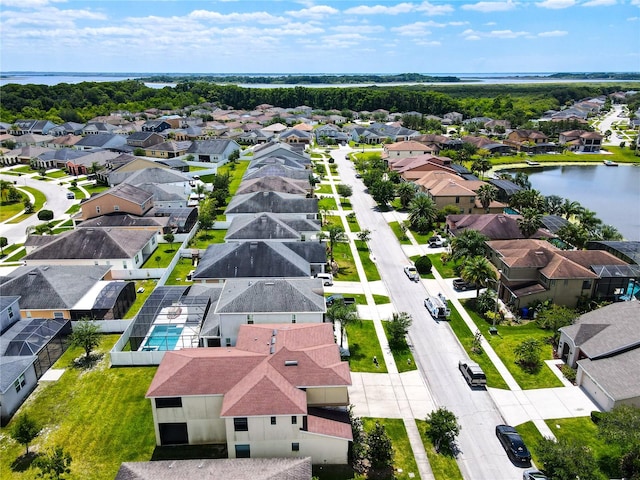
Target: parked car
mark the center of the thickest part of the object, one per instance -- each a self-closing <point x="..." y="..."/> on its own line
<point x="461" y="285"/>
<point x="358" y="175"/>
<point x="327" y="278"/>
<point x="533" y="474"/>
<point x="411" y="272"/>
<point x="437" y="241"/>
<point x="472" y="373"/>
<point x="513" y="444"/>
<point x="71" y="195"/>
<point x="336" y="297"/>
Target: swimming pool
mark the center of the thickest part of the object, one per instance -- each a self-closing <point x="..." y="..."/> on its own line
<point x="162" y="337"/>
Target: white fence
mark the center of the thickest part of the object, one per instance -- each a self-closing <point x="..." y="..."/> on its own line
<point x="109" y="326"/>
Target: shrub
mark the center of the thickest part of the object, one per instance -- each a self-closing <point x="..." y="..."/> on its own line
<point x="332" y="160"/>
<point x="45" y="215"/>
<point x="424" y="265"/>
<point x="569" y="373"/>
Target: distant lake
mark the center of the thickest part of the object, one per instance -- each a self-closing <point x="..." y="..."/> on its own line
<point x="612" y="192"/>
<point x="54" y="78"/>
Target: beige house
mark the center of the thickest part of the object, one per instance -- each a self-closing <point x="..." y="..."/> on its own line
<point x="535" y="270"/>
<point x="405" y="149"/>
<point x="123" y="198"/>
<point x="266" y="397"/>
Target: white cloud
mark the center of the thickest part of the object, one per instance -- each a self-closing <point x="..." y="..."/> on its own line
<point x="344" y="40"/>
<point x="458" y="24"/>
<point x="263" y="18"/>
<point x="49" y="16"/>
<point x="316" y="12"/>
<point x="364" y="29"/>
<point x="417" y="29"/>
<point x="470" y="34"/>
<point x="553" y="33"/>
<point x="28" y="3"/>
<point x="599" y="3"/>
<point x="556" y="4"/>
<point x="633" y="19"/>
<point x="490" y="24"/>
<point x="635" y="2"/>
<point x="380" y="9"/>
<point x="425" y="8"/>
<point x="490" y="6"/>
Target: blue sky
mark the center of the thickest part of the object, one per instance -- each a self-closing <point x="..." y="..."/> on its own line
<point x="309" y="36"/>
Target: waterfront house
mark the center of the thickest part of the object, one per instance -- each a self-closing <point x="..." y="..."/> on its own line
<point x="494" y="226"/>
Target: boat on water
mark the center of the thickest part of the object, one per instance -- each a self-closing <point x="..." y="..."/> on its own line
<point x="610" y="163"/>
<point x="532" y="163"/>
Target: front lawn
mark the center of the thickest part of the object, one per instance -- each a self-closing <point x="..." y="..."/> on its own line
<point x="346" y="266"/>
<point x="236" y="171"/>
<point x="465" y="336"/>
<point x="404" y="463"/>
<point x="403" y="357"/>
<point x="421" y="238"/>
<point x="9" y="209"/>
<point x="99" y="416"/>
<point x="327" y="203"/>
<point x="505" y="342"/>
<point x="443" y="467"/>
<point x="324" y="188"/>
<point x="353" y="223"/>
<point x="363" y="346"/>
<point x="446" y="270"/>
<point x="332" y="221"/>
<point x="57" y="174"/>
<point x="95" y="189"/>
<point x="399" y="233"/>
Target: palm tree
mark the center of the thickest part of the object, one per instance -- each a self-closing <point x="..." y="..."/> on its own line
<point x="477" y="270"/>
<point x="345" y="314"/>
<point x="469" y="243"/>
<point x="522" y="179"/>
<point x="336" y="234"/>
<point x="608" y="232"/>
<point x="5" y="186"/>
<point x="422" y="213"/>
<point x="570" y="208"/>
<point x="530" y="222"/>
<point x="480" y="165"/>
<point x="527" y="199"/>
<point x="486" y="194"/>
<point x="553" y="204"/>
<point x="588" y="220"/>
<point x="406" y="191"/>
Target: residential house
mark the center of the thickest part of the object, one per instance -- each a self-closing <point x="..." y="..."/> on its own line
<point x="530" y="141"/>
<point x="394" y="151"/>
<point x="276" y="170"/>
<point x="275" y="128"/>
<point x="604" y="345"/>
<point x="274" y="202"/>
<point x="278" y="397"/>
<point x="157" y="126"/>
<point x="67" y="128"/>
<point x="295" y="136"/>
<point x="413" y="168"/>
<point x="33" y="139"/>
<point x="272" y="227"/>
<point x="273" y="160"/>
<point x="121" y="248"/>
<point x="281" y="150"/>
<point x="38" y="127"/>
<point x="98" y="128"/>
<point x="505" y="189"/>
<point x="65" y="141"/>
<point x="168" y="149"/>
<point x="105" y="141"/>
<point x="213" y="151"/>
<point x="534" y="270"/>
<point x="275" y="183"/>
<point x="22" y="155"/>
<point x="439" y="142"/>
<point x="493" y="147"/>
<point x="121" y="167"/>
<point x="494" y="226"/>
<point x="27" y="349"/>
<point x="90" y="162"/>
<point x="144" y="139"/>
<point x="330" y="134"/>
<point x="581" y="140"/>
<point x="123" y="198"/>
<point x="453" y="117"/>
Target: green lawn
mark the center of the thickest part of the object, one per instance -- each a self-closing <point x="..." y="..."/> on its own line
<point x="403" y="453"/>
<point x="347" y="268"/>
<point x="332" y="221"/>
<point x="381" y="299"/>
<point x="421" y="238"/>
<point x="73" y="208"/>
<point x="363" y="345"/>
<point x="17" y="256"/>
<point x="509" y="336"/>
<point x="39" y="197"/>
<point x="24" y="169"/>
<point x="324" y="188"/>
<point x="78" y="193"/>
<point x="370" y="269"/>
<point x="99" y="416"/>
<point x="403" y="358"/>
<point x="204" y="238"/>
<point x="10" y="248"/>
<point x="400" y="235"/>
<point x="8" y="210"/>
<point x="166" y="252"/>
<point x="346" y="205"/>
<point x="445" y="270"/>
<point x="327" y="203"/>
<point x="236" y="171"/>
<point x="465" y="336"/>
<point x="443" y="467"/>
<point x="148" y="286"/>
<point x="94" y="189"/>
<point x="179" y="274"/>
<point x="57" y="174"/>
<point x="617" y="154"/>
<point x="353" y="223"/>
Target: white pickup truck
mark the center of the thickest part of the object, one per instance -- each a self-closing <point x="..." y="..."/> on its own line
<point x="411" y="272"/>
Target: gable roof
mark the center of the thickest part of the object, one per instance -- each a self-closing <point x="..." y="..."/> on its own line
<point x="51" y="287"/>
<point x="493" y="226"/>
<point x="209" y="147"/>
<point x="275" y="170"/>
<point x="268" y="226"/>
<point x="93" y="243"/>
<point x="127" y="192"/>
<point x="274" y="183"/>
<point x="274" y="202"/>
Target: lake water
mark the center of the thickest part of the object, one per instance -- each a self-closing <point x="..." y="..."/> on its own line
<point x="612" y="192"/>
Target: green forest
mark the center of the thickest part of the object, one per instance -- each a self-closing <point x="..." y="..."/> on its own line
<point x="83" y="101"/>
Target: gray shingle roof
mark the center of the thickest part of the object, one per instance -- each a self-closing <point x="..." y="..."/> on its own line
<point x="209" y="147"/>
<point x="619" y="376"/>
<point x="52" y="287"/>
<point x="276" y="170"/>
<point x="127" y="192"/>
<point x="274" y="202"/>
<point x="274" y="184"/>
<point x="93" y="243"/>
<point x="12" y="368"/>
<point x="228" y="469"/>
<point x="264" y="226"/>
<point x="155" y="175"/>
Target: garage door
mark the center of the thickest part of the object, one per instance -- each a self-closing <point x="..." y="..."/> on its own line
<point x="173" y="434"/>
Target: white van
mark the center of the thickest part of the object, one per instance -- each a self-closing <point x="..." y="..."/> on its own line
<point x="437" y="308"/>
<point x="327" y="278"/>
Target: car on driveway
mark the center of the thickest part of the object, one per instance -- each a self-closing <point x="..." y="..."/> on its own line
<point x="461" y="285"/>
<point x="411" y="272"/>
<point x="513" y="444"/>
<point x="533" y="474"/>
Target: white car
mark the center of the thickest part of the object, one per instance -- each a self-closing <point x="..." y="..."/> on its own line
<point x="411" y="272"/>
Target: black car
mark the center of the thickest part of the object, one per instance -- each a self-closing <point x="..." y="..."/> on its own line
<point x="514" y="446"/>
<point x="461" y="285"/>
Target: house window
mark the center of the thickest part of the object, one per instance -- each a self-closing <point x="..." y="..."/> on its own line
<point x="97" y="208"/>
<point x="243" y="451"/>
<point x="586" y="285"/>
<point x="10" y="312"/>
<point x="228" y="342"/>
<point x="124" y="264"/>
<point x="153" y="240"/>
<point x="294" y="420"/>
<point x="241" y="424"/>
<point x="116" y="208"/>
<point x="457" y="199"/>
<point x="169" y="402"/>
<point x="293" y="318"/>
<point x="137" y="257"/>
<point x="20" y="383"/>
<point x="58" y="315"/>
<point x="273" y="420"/>
<point x="295" y="447"/>
<point x="250" y="319"/>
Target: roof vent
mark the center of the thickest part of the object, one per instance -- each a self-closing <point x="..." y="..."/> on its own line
<point x="269" y="283"/>
<point x="290" y="363"/>
<point x="539" y="252"/>
<point x="272" y="350"/>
